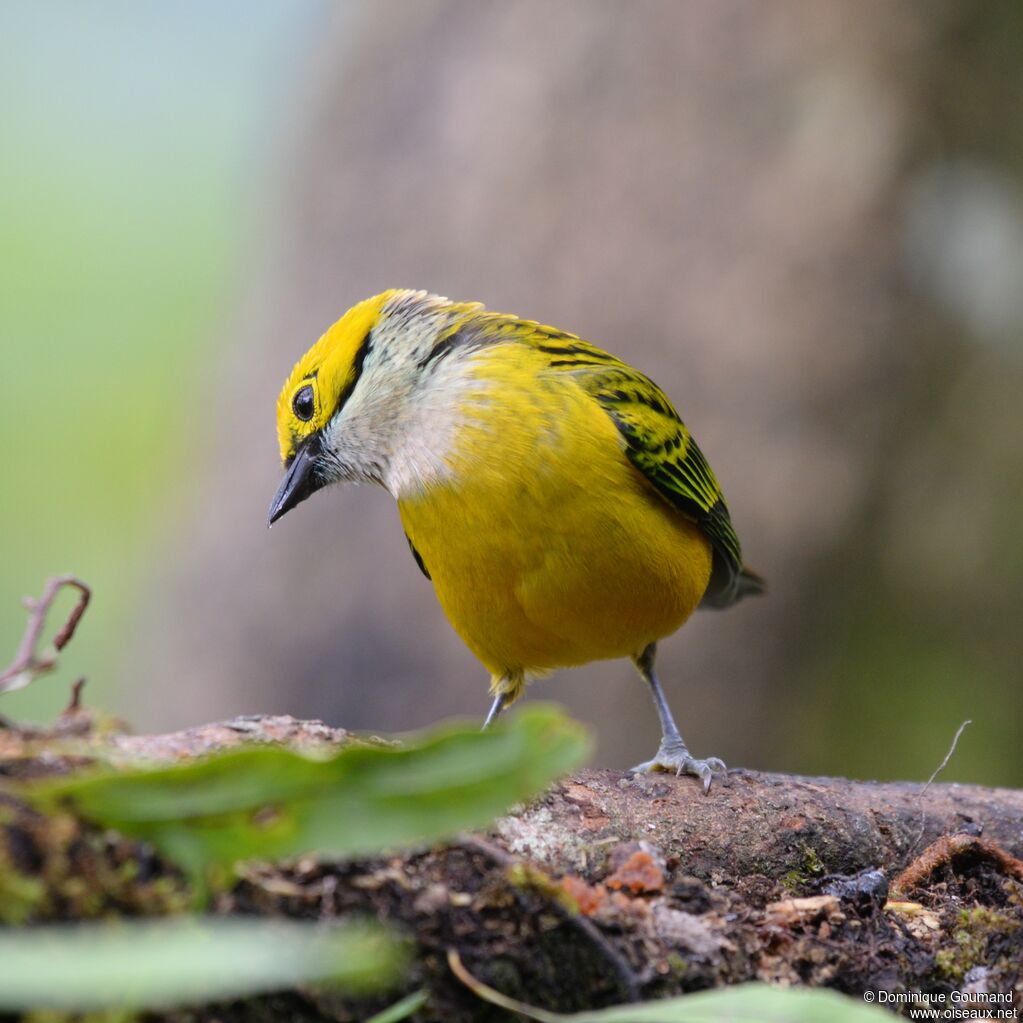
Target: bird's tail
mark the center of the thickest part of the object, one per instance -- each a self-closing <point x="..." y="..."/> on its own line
<point x="726" y="587"/>
<point x="750" y="584"/>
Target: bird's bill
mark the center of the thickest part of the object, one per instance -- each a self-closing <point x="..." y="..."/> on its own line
<point x="300" y="481"/>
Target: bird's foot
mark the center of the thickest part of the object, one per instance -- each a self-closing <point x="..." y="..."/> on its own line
<point x="673" y="756"/>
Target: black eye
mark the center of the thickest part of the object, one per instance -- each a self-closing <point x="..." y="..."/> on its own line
<point x="303" y="404"/>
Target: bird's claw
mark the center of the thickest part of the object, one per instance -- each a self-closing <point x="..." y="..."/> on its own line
<point x="677" y="759"/>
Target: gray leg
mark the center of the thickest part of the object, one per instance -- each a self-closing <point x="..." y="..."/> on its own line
<point x="672" y="754"/>
<point x="498" y="705"/>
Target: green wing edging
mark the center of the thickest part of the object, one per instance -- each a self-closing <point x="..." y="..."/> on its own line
<point x="660" y="446"/>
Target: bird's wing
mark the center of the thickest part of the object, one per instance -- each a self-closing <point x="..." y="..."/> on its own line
<point x="658" y="444"/>
<point x="418" y="557"/>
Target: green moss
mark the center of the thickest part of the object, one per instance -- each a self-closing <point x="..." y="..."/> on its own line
<point x="20" y="896"/>
<point x="810" y="867"/>
<point x="52" y="867"/>
<point x="525" y="877"/>
<point x="975" y="929"/>
<point x="678" y="966"/>
<point x="794" y="881"/>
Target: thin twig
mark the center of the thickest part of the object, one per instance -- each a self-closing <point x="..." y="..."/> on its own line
<point x="626" y="976"/>
<point x="488" y="994"/>
<point x="75" y="703"/>
<point x="948" y="756"/>
<point x="27" y="664"/>
<point x="930" y="781"/>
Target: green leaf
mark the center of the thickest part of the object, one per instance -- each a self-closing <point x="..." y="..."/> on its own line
<point x="268" y="803"/>
<point x="744" y="1003"/>
<point x="169" y="963"/>
<point x="401" y="1010"/>
<point x="756" y="1003"/>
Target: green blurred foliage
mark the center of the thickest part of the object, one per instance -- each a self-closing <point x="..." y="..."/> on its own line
<point x="188" y="961"/>
<point x="268" y="802"/>
<point x="762" y="1003"/>
<point x="134" y="141"/>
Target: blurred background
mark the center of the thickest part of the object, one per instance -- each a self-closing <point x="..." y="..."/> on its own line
<point x="803" y="219"/>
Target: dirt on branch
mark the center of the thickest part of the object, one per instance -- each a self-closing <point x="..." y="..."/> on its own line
<point x="609" y="888"/>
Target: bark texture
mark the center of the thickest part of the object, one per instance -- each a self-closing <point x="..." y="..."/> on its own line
<point x="607" y="889"/>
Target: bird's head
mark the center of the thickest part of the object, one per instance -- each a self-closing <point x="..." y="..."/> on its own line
<point x="344" y="408"/>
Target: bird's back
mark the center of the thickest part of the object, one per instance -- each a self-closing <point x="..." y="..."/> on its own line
<point x="650" y="432"/>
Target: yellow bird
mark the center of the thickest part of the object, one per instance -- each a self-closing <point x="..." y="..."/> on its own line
<point x="548" y="489"/>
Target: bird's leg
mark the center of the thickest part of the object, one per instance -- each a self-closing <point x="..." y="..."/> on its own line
<point x="500" y="702"/>
<point x="507" y="688"/>
<point x="672" y="754"/>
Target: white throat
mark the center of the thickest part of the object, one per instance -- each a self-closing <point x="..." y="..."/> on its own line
<point x="427" y="428"/>
<point x="403" y="419"/>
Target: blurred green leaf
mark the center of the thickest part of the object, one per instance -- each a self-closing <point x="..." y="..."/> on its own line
<point x="268" y="802"/>
<point x="401" y="1010"/>
<point x="166" y="963"/>
<point x="756" y="1003"/>
<point x="744" y="1003"/>
<point x="752" y="1003"/>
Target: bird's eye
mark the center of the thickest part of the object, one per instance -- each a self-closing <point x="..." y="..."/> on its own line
<point x="303" y="404"/>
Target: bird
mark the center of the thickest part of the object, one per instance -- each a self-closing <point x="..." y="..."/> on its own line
<point x="549" y="490"/>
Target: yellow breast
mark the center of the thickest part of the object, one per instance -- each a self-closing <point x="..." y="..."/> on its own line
<point x="546" y="547"/>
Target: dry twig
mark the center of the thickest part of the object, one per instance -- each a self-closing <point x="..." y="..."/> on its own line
<point x="75" y="702"/>
<point x="627" y="979"/>
<point x="28" y="664"/>
<point x="489" y="994"/>
<point x="930" y="781"/>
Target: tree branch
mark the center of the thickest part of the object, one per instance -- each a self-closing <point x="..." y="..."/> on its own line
<point x="611" y="888"/>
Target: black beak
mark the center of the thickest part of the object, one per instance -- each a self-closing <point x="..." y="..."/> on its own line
<point x="300" y="482"/>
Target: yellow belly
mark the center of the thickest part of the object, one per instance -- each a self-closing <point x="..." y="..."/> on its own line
<point x="546" y="547"/>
